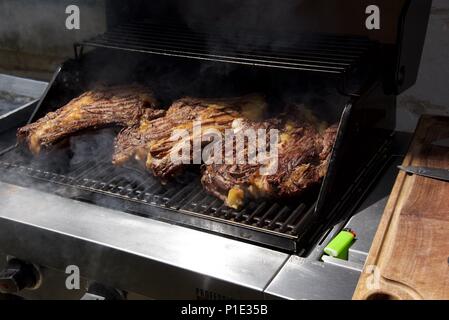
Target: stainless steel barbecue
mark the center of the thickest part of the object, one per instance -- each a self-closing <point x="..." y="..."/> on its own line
<point x="71" y="206"/>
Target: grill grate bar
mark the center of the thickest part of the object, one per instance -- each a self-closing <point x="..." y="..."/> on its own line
<point x="82" y="175"/>
<point x="79" y="170"/>
<point x="343" y="54"/>
<point x="194" y="202"/>
<point x="292" y="217"/>
<point x="314" y="57"/>
<point x="127" y="189"/>
<point x="270" y="212"/>
<point x="140" y="194"/>
<point x="116" y="185"/>
<point x="208" y="204"/>
<point x="254" y="214"/>
<point x="302" y="221"/>
<point x="96" y="179"/>
<point x="281" y="213"/>
<point x="185" y="192"/>
<point x="323" y="67"/>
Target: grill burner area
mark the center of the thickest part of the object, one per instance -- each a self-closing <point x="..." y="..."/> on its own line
<point x="136" y="191"/>
<point x="293" y="226"/>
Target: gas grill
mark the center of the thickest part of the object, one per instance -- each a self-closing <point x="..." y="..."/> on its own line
<point x="344" y="72"/>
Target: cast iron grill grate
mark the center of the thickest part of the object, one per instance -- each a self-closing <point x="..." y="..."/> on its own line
<point x="184" y="198"/>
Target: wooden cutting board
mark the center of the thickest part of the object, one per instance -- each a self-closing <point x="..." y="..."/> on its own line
<point x="409" y="257"/>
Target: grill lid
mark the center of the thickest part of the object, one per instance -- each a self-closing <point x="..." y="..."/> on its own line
<point x="321" y="36"/>
<point x="308" y="52"/>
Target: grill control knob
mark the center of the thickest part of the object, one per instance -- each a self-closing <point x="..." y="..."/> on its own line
<point x="98" y="291"/>
<point x="18" y="275"/>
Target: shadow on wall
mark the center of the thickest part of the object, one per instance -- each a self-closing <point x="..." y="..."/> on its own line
<point x="33" y="35"/>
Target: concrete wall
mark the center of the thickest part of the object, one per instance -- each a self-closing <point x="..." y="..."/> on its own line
<point x="431" y="92"/>
<point x="33" y="35"/>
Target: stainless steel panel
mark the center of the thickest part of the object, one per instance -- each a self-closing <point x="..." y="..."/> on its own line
<point x="141" y="255"/>
<point x="302" y="279"/>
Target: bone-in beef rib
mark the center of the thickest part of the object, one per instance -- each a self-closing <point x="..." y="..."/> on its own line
<point x="151" y="141"/>
<point x="118" y="105"/>
<point x="304" y="148"/>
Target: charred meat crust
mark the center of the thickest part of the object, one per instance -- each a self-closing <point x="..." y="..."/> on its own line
<point x="150" y="142"/>
<point x="119" y="105"/>
<point x="304" y="152"/>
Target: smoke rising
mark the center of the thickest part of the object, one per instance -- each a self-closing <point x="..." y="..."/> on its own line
<point x="238" y="22"/>
<point x="245" y="23"/>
